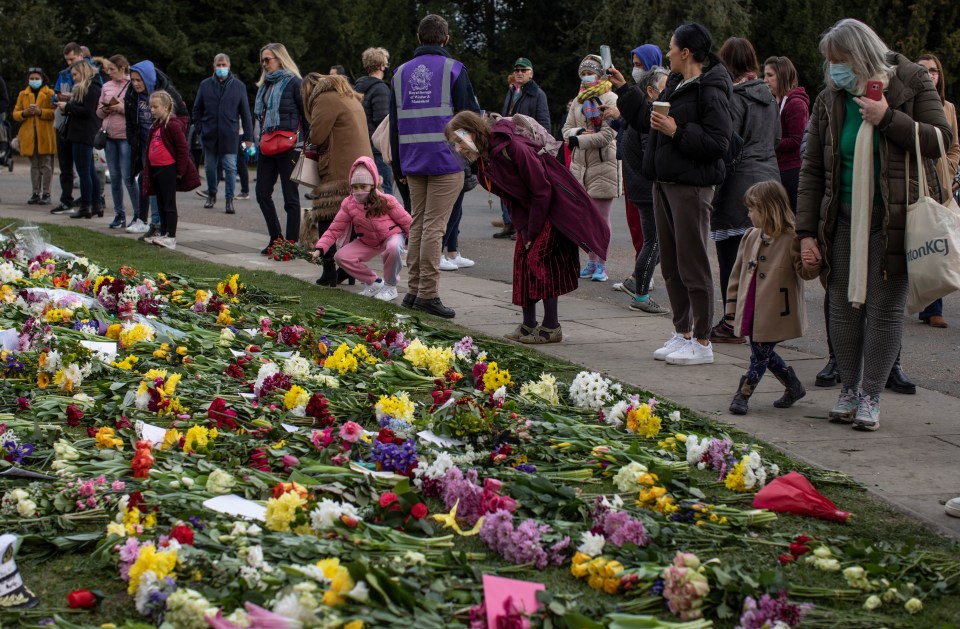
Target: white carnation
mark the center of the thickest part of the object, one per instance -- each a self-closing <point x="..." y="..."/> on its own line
<point x="591" y="544"/>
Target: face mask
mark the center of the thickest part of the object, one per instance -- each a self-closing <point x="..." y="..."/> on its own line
<point x="590" y="78"/>
<point x="222" y="73"/>
<point x="842" y="76"/>
<point x="637" y="74"/>
<point x="361" y="197"/>
<point x="36" y="83"/>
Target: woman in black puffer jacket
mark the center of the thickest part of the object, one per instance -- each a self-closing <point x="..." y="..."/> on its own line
<point x="685" y="160"/>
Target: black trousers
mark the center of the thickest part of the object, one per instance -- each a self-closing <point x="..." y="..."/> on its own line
<point x="65" y="161"/>
<point x="649" y="256"/>
<point x="269" y="169"/>
<point x="163" y="180"/>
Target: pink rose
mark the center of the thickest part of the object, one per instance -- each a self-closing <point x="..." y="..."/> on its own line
<point x="351" y="432"/>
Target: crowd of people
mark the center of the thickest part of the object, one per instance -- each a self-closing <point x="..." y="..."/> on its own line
<point x="705" y="146"/>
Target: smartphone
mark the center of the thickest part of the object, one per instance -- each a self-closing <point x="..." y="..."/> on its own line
<point x="874" y="90"/>
<point x="605" y="58"/>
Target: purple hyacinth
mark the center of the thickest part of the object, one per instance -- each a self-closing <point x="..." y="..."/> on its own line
<point x="769" y="611"/>
<point x="524" y="544"/>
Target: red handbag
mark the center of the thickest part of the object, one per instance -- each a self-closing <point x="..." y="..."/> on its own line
<point x="278" y="142"/>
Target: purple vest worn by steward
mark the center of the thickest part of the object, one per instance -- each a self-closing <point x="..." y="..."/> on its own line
<point x="424" y="91"/>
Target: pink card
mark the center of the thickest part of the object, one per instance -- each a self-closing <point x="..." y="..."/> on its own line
<point x="522" y="597"/>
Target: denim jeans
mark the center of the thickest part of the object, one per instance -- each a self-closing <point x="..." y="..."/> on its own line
<point x="385" y="172"/>
<point x="213" y="162"/>
<point x="505" y="213"/>
<point x="121" y="175"/>
<point x="934" y="309"/>
<point x="83" y="160"/>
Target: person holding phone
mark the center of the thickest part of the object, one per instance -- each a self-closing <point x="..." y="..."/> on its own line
<point x="111" y="112"/>
<point x="34" y="111"/>
<point x="852" y="203"/>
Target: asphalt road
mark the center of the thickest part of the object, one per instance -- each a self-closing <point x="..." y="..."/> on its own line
<point x="931" y="357"/>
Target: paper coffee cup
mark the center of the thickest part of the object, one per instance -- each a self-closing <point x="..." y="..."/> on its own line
<point x="661" y="107"/>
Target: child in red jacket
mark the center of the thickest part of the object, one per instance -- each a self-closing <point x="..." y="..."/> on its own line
<point x="380" y="224"/>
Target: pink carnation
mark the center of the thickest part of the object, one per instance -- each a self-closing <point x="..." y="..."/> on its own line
<point x="351" y="432"/>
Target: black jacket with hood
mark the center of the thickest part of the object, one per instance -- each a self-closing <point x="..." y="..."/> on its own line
<point x="635" y="109"/>
<point x="376" y="102"/>
<point x="701" y="109"/>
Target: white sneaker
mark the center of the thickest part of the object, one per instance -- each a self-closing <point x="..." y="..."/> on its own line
<point x="137" y="227"/>
<point x="370" y="290"/>
<point x="166" y="242"/>
<point x="461" y="262"/>
<point x="446" y="264"/>
<point x="151" y="240"/>
<point x="692" y="353"/>
<point x="674" y="343"/>
<point x="952" y="507"/>
<point x="387" y="293"/>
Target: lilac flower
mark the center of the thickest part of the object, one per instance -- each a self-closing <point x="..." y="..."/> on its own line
<point x="620" y="528"/>
<point x="464" y="492"/>
<point x="128" y="555"/>
<point x="524" y="544"/>
<point x="768" y="612"/>
<point x="720" y="455"/>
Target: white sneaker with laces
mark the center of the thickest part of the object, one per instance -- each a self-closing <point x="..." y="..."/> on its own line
<point x="387" y="293"/>
<point x="461" y="262"/>
<point x="674" y="343"/>
<point x="166" y="242"/>
<point x="692" y="353"/>
<point x="446" y="264"/>
<point x="151" y="240"/>
<point x="370" y="290"/>
<point x="137" y="227"/>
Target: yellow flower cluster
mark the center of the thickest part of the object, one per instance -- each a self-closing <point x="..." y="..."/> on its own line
<point x="56" y="315"/>
<point x="230" y="287"/>
<point x="113" y="331"/>
<point x="643" y="421"/>
<point x="494" y="378"/>
<point x="162" y="352"/>
<point x="107" y="439"/>
<point x="127" y="363"/>
<point x="282" y="511"/>
<point x="197" y="439"/>
<point x="7" y="294"/>
<point x="361" y="353"/>
<point x="161" y="564"/>
<point x="134" y="335"/>
<point x="435" y="359"/>
<point x="735" y="480"/>
<point x="340" y="581"/>
<point x="296" y="396"/>
<point x="396" y="406"/>
<point x="653" y="496"/>
<point x="600" y="572"/>
<point x="224" y="317"/>
<point x="341" y="360"/>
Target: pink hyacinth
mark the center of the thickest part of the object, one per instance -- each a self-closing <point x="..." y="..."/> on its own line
<point x="351" y="432"/>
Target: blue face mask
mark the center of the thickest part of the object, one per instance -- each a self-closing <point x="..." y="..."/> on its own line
<point x="222" y="73"/>
<point x="36" y="84"/>
<point x="588" y="79"/>
<point x="842" y="76"/>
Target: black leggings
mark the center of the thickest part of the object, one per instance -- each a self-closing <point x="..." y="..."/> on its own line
<point x="649" y="256"/>
<point x="269" y="169"/>
<point x="726" y="257"/>
<point x="163" y="181"/>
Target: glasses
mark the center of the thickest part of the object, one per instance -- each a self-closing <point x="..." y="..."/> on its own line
<point x="521" y="70"/>
<point x="267" y="59"/>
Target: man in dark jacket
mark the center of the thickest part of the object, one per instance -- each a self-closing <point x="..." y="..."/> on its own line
<point x="219" y="109"/>
<point x="62" y="88"/>
<point x="525" y="97"/>
<point x="376" y="104"/>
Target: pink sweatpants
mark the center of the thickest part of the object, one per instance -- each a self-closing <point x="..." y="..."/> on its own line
<point x="351" y="258"/>
<point x="604" y="206"/>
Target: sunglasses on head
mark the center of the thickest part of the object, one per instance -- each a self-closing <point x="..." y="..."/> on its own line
<point x="34" y="70"/>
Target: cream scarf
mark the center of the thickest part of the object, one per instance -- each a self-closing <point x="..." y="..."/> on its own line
<point x="861" y="211"/>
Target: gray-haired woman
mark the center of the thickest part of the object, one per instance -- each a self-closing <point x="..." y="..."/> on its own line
<point x="852" y="205"/>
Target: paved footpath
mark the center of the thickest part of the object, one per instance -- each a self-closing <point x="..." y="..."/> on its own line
<point x="913" y="462"/>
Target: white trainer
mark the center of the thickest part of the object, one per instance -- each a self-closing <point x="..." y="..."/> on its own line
<point x="446" y="264"/>
<point x="692" y="353"/>
<point x="166" y="242"/>
<point x="952" y="508"/>
<point x="137" y="227"/>
<point x="461" y="262"/>
<point x="369" y="290"/>
<point x="674" y="343"/>
<point x="387" y="293"/>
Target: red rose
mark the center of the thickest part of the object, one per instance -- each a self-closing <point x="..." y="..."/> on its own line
<point x="74" y="415"/>
<point x="183" y="534"/>
<point x="82" y="599"/>
<point x="797" y="549"/>
<point x="387" y="499"/>
<point x="91" y="431"/>
<point x="785" y="558"/>
<point x="802" y="539"/>
<point x="385" y="435"/>
<point x="419" y="511"/>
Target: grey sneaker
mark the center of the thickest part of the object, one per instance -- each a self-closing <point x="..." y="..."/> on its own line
<point x="628" y="286"/>
<point x="649" y="306"/>
<point x="845" y="408"/>
<point x="868" y="413"/>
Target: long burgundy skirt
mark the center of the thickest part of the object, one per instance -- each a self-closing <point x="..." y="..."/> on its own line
<point x="549" y="268"/>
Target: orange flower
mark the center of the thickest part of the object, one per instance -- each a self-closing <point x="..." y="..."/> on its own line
<point x="142" y="460"/>
<point x="281" y="488"/>
<point x="128" y="272"/>
<point x="43" y="380"/>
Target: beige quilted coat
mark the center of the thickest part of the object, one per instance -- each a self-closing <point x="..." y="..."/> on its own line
<point x="595" y="162"/>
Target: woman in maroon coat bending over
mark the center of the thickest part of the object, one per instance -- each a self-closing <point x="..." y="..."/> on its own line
<point x="549" y="209"/>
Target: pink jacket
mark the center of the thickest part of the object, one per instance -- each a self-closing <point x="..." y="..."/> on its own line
<point x="114" y="122"/>
<point x="371" y="231"/>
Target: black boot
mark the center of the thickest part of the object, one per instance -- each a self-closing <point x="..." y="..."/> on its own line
<point x="211" y="201"/>
<point x="829" y="375"/>
<point x="97" y="209"/>
<point x="82" y="212"/>
<point x="229" y="207"/>
<point x="343" y="275"/>
<point x="899" y="382"/>
<point x="794" y="389"/>
<point x="329" y="276"/>
<point x="435" y="307"/>
<point x="739" y="404"/>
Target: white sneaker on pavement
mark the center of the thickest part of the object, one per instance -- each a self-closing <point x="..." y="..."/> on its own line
<point x="461" y="262"/>
<point x="692" y="353"/>
<point x="137" y="227"/>
<point x="446" y="264"/>
<point x="370" y="290"/>
<point x="166" y="242"/>
<point x="387" y="293"/>
<point x="674" y="343"/>
<point x="952" y="507"/>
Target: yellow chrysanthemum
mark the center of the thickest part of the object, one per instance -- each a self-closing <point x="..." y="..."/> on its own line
<point x="643" y="421"/>
<point x="396" y="406"/>
<point x="494" y="378"/>
<point x="735" y="480"/>
<point x="435" y="359"/>
<point x="282" y="511"/>
<point x="197" y="438"/>
<point x="113" y="332"/>
<point x="161" y="564"/>
<point x="360" y="351"/>
<point x="341" y="360"/>
<point x="134" y="335"/>
<point x="296" y="396"/>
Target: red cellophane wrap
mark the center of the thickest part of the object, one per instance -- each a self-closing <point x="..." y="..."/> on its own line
<point x="793" y="493"/>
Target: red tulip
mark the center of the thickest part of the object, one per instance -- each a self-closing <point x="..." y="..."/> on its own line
<point x="82" y="599"/>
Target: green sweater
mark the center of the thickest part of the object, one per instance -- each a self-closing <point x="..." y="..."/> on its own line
<point x="848" y="143"/>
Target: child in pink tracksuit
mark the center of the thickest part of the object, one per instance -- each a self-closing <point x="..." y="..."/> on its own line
<point x="380" y="224"/>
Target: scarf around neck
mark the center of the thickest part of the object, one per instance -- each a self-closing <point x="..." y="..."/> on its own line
<point x="594" y="91"/>
<point x="267" y="105"/>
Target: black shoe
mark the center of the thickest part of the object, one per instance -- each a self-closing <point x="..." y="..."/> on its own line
<point x="408" y="300"/>
<point x="266" y="250"/>
<point x="63" y="208"/>
<point x="82" y="212"/>
<point x="229" y="207"/>
<point x="150" y="233"/>
<point x="739" y="404"/>
<point x="45" y="199"/>
<point x="507" y="231"/>
<point x="329" y="276"/>
<point x="344" y="276"/>
<point x="34" y="200"/>
<point x="97" y="210"/>
<point x="899" y="382"/>
<point x="435" y="307"/>
<point x="211" y="200"/>
<point x="829" y="375"/>
<point x="794" y="390"/>
<point x="723" y="333"/>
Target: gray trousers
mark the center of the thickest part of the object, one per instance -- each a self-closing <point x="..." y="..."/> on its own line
<point x="41" y="172"/>
<point x="866" y="340"/>
<point x="683" y="225"/>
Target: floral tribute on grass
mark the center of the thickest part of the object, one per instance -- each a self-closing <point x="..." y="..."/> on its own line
<point x="225" y="460"/>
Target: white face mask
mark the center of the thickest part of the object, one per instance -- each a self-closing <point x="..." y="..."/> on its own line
<point x="637" y="74"/>
<point x="361" y="197"/>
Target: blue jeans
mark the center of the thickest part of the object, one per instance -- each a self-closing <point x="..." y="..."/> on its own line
<point x="212" y="162"/>
<point x="83" y="161"/>
<point x="121" y="174"/>
<point x="505" y="213"/>
<point x="385" y="172"/>
<point x="934" y="309"/>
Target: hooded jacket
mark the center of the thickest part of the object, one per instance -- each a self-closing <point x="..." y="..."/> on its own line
<point x="373" y="231"/>
<point x="532" y="102"/>
<point x="153" y="80"/>
<point x="635" y="109"/>
<point x="376" y="101"/>
<point x="794" y="114"/>
<point x="173" y="135"/>
<point x="701" y="108"/>
<point x="756" y="119"/>
<point x="219" y="111"/>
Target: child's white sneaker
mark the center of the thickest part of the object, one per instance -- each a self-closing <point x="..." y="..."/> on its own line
<point x="166" y="242"/>
<point x="387" y="293"/>
<point x="674" y="343"/>
<point x="369" y="290"/>
<point x="692" y="353"/>
<point x="446" y="264"/>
